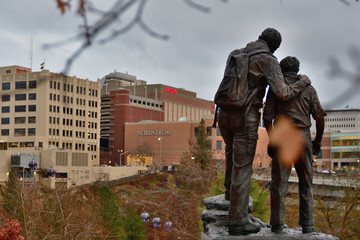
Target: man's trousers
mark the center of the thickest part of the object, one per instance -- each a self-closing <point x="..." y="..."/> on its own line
<point x="240" y="134"/>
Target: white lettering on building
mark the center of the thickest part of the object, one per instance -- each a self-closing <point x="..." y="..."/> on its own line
<point x="154" y="132"/>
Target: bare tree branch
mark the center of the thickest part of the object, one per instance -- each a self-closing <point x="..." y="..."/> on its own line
<point x="90" y="32"/>
<point x="197" y="6"/>
<point x="337" y="71"/>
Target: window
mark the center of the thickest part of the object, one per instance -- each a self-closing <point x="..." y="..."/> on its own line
<point x="6" y="86"/>
<point x="218" y="133"/>
<point x="13" y="144"/>
<point x="197" y="132"/>
<point x="19" y="132"/>
<point x="31" y="131"/>
<point x="26" y="144"/>
<point x="4" y="132"/>
<point x="31" y="119"/>
<point x="218" y="145"/>
<point x="32" y="84"/>
<point x="32" y="108"/>
<point x="20" y="85"/>
<point x="20" y="108"/>
<point x="20" y="120"/>
<point x="208" y="131"/>
<point x="20" y="97"/>
<point x="32" y="96"/>
<point x="5" y="120"/>
<point x="5" y="98"/>
<point x="5" y="109"/>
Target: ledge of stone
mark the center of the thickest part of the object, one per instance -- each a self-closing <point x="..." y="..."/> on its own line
<point x="215" y="225"/>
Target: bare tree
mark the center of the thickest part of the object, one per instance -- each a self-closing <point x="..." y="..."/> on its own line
<point x="91" y="32"/>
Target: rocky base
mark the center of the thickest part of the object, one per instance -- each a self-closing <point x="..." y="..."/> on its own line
<point x="215" y="220"/>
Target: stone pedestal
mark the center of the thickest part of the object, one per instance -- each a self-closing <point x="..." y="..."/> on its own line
<point x="215" y="220"/>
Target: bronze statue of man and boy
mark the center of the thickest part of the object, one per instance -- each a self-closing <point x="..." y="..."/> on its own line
<point x="291" y="95"/>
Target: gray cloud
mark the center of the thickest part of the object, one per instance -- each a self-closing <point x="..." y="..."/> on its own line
<point x="194" y="56"/>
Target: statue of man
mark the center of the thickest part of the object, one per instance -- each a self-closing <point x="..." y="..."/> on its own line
<point x="239" y="128"/>
<point x="298" y="110"/>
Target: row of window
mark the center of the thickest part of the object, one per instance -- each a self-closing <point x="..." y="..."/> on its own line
<point x="70" y="88"/>
<point x="18" y="120"/>
<point x="19" y="132"/>
<point x="21" y="144"/>
<point x="78" y="146"/>
<point x="69" y="133"/>
<point x="338" y="119"/>
<point x="19" y="85"/>
<point x="54" y="97"/>
<point x="18" y="97"/>
<point x="53" y="108"/>
<point x="345" y="155"/>
<point x="67" y="110"/>
<point x="18" y="108"/>
<point x="347" y="142"/>
<point x="340" y="126"/>
<point x="145" y="103"/>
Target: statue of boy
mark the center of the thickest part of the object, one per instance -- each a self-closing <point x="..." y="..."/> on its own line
<point x="298" y="110"/>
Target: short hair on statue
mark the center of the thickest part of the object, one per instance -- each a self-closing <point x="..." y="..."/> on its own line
<point x="290" y="64"/>
<point x="272" y="37"/>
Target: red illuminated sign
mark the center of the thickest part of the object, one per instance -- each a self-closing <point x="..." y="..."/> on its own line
<point x="170" y="90"/>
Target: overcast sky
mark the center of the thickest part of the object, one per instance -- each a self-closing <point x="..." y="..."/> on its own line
<point x="194" y="55"/>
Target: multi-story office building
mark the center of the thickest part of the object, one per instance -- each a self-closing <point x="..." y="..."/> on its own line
<point x="126" y="99"/>
<point x="42" y="111"/>
<point x="341" y="141"/>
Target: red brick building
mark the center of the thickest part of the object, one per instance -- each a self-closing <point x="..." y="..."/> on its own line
<point x="125" y="99"/>
<point x="167" y="141"/>
<point x="117" y="108"/>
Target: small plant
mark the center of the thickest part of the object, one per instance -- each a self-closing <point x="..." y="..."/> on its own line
<point x="11" y="230"/>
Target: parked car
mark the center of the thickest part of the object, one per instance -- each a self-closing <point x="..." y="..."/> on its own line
<point x="340" y="173"/>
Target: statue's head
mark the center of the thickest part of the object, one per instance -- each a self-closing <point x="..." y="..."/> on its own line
<point x="272" y="37"/>
<point x="290" y="64"/>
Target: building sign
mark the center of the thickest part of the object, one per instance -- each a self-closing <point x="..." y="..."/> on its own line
<point x="154" y="132"/>
<point x="171" y="90"/>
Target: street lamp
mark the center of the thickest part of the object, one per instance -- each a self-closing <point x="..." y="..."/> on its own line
<point x="121" y="153"/>
<point x="160" y="140"/>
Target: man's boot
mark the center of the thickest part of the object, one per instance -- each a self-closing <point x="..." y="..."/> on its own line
<point x="277" y="228"/>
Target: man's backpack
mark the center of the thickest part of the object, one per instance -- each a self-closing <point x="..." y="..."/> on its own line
<point x="233" y="92"/>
